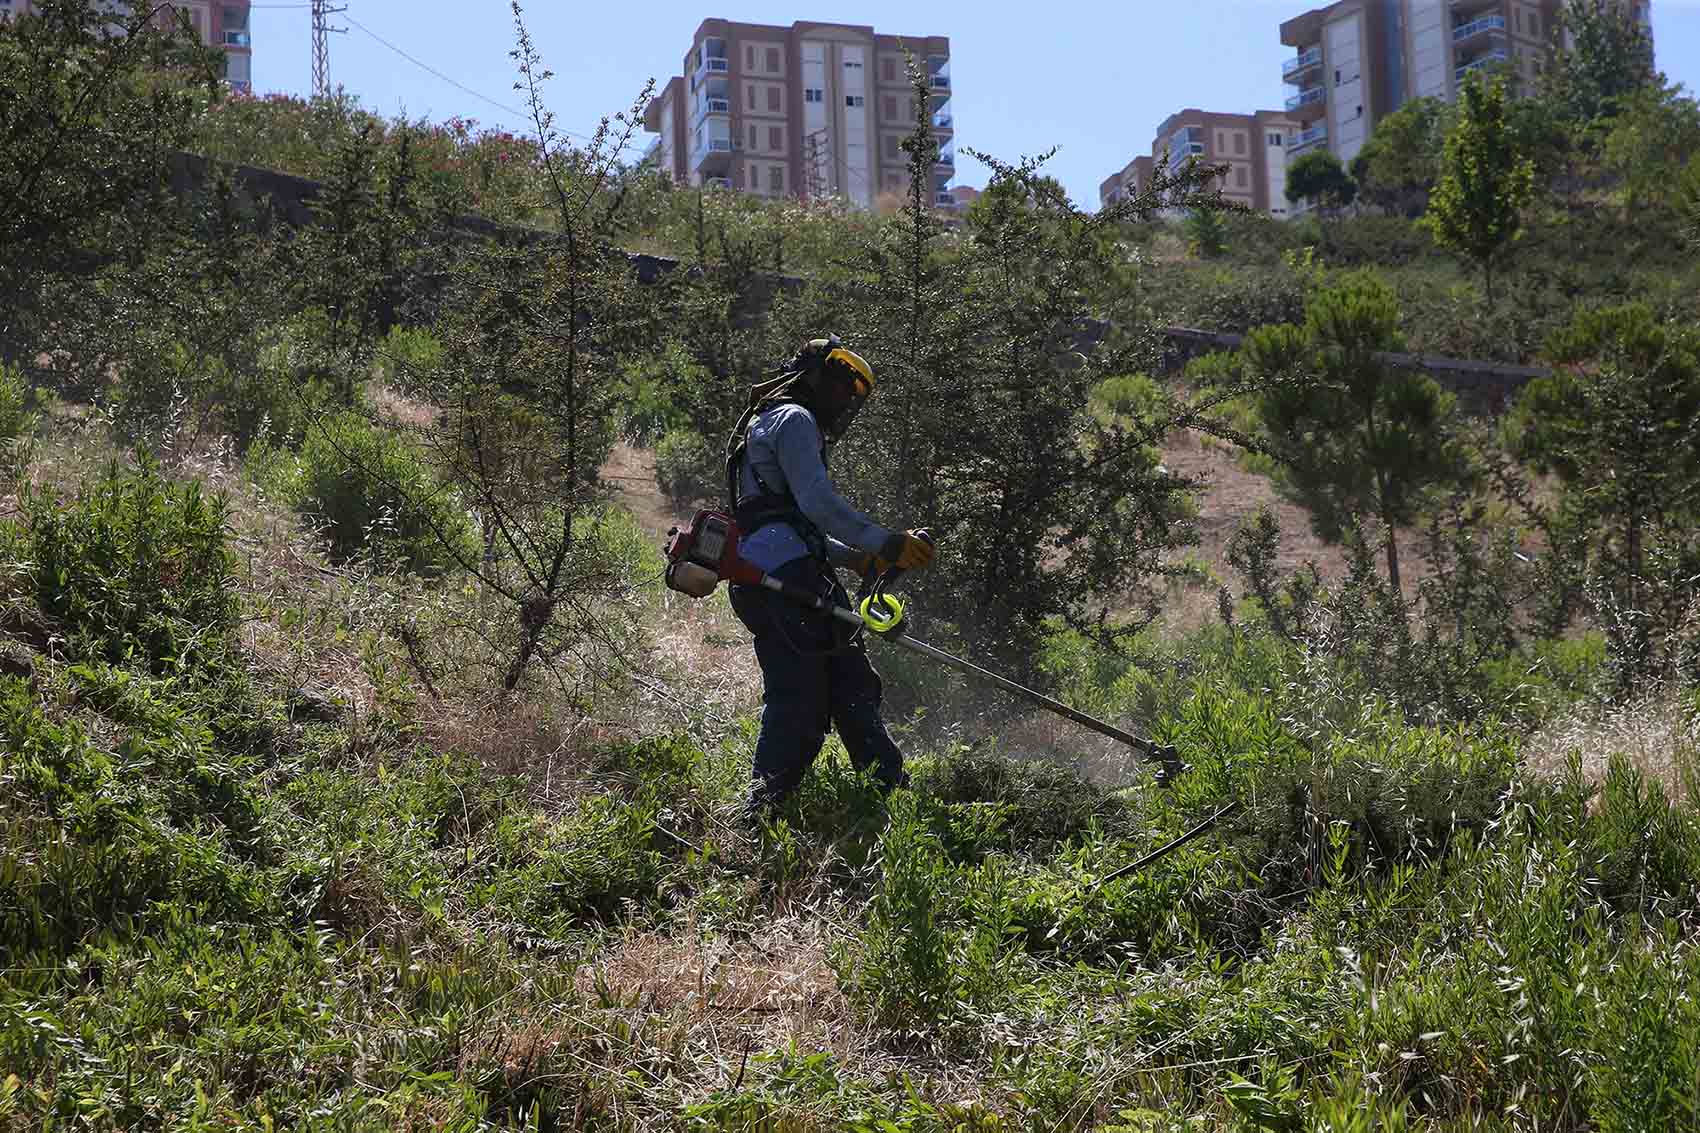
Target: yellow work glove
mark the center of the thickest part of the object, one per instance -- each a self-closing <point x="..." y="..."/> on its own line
<point x="907" y="550"/>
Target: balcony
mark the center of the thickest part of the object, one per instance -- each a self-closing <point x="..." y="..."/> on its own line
<point x="1304" y="140"/>
<point x="1463" y="33"/>
<point x="946" y="158"/>
<point x="942" y="122"/>
<point x="237" y="39"/>
<point x="1308" y="100"/>
<point x="712" y="102"/>
<point x="1482" y="62"/>
<point x="944" y="200"/>
<point x="1294" y="69"/>
<point x="712" y="153"/>
<point x="1178" y="154"/>
<point x="941" y="82"/>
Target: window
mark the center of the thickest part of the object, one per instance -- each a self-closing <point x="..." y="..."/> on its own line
<point x="1275" y="138"/>
<point x="853" y="100"/>
<point x="750" y="95"/>
<point x="775" y="138"/>
<point x="773" y="60"/>
<point x="753" y="144"/>
<point x="776" y="178"/>
<point x="1360" y="112"/>
<point x="888" y="70"/>
<point x="1534" y="23"/>
<point x="1336" y="76"/>
<point x="813" y="94"/>
<point x="749" y="58"/>
<point x="1239" y="143"/>
<point x="1240" y="178"/>
<point x="890" y="145"/>
<point x="773" y="98"/>
<point x="850" y="64"/>
<point x="889" y="107"/>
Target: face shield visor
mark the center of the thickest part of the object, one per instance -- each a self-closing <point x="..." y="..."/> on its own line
<point x="851" y="372"/>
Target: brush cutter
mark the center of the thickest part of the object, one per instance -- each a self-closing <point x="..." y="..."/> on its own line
<point x="704" y="553"/>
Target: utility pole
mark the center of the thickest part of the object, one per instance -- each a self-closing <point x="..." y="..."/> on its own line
<point x="321" y="46"/>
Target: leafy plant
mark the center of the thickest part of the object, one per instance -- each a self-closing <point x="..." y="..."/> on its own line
<point x="1486" y="181"/>
<point x="135" y="569"/>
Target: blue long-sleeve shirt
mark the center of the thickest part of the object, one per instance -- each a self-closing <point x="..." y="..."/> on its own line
<point x="785" y="447"/>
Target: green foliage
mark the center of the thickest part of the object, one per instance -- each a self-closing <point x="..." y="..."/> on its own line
<point x="687" y="469"/>
<point x="1688" y="200"/>
<point x="1319" y="176"/>
<point x="372" y="492"/>
<point x="16" y="404"/>
<point x="1355" y="436"/>
<point x="1655" y="133"/>
<point x="93" y="108"/>
<point x="1206" y="233"/>
<point x="1486" y="181"/>
<point x="1605" y="57"/>
<point x="135" y="570"/>
<point x="1400" y="163"/>
<point x="1618" y="421"/>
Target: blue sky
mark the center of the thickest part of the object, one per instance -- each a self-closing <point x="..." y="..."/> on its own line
<point x="1090" y="78"/>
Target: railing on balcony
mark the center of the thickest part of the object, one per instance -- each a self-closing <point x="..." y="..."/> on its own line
<point x="942" y="122"/>
<point x="946" y="157"/>
<point x="1486" y="59"/>
<point x="1307" y="138"/>
<point x="1303" y="61"/>
<point x="716" y="63"/>
<point x="1179" y="154"/>
<point x="237" y="39"/>
<point x="941" y="82"/>
<point x="717" y="106"/>
<point x="1306" y="97"/>
<point x="944" y="200"/>
<point x="1477" y="27"/>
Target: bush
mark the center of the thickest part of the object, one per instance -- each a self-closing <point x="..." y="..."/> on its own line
<point x="16" y="419"/>
<point x="687" y="469"/>
<point x="135" y="569"/>
<point x="374" y="494"/>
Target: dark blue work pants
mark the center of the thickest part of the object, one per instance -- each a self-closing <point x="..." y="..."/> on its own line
<point x="812" y="681"/>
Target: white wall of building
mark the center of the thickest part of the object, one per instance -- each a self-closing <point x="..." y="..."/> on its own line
<point x="816" y="111"/>
<point x="1431" y="55"/>
<point x="1274" y="142"/>
<point x="1348" y="101"/>
<point x="858" y="168"/>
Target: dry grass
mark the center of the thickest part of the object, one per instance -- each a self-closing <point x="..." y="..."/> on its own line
<point x="1658" y="734"/>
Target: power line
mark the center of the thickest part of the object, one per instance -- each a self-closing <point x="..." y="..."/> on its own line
<point x="462" y="87"/>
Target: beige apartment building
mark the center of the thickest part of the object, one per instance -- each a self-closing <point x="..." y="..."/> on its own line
<point x="1357" y="61"/>
<point x="1253" y="147"/>
<point x="218" y="24"/>
<point x="813" y="110"/>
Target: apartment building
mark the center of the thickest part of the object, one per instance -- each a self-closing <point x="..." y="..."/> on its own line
<point x="811" y="110"/>
<point x="1357" y="61"/>
<point x="1253" y="147"/>
<point x="218" y="24"/>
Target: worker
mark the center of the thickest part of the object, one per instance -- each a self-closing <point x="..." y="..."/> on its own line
<point x="796" y="527"/>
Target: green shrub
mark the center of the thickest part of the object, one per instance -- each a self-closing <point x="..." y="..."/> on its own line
<point x="373" y="493"/>
<point x="407" y="357"/>
<point x="687" y="469"/>
<point x="96" y="834"/>
<point x="16" y="416"/>
<point x="136" y="569"/>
